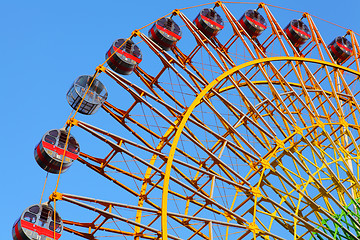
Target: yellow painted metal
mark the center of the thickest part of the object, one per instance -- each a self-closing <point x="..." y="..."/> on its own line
<point x="316" y="127"/>
<point x="55" y="196"/>
<point x="147" y="175"/>
<point x="198" y="100"/>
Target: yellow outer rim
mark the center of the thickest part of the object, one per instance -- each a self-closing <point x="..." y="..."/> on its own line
<point x="197" y="101"/>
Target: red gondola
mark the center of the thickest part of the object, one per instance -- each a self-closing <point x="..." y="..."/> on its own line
<point x="297" y="32"/>
<point x="95" y="96"/>
<point x="209" y="22"/>
<point x="165" y="32"/>
<point x="253" y="23"/>
<point x="123" y="57"/>
<point x="340" y="49"/>
<point x="37" y="222"/>
<point x="50" y="151"/>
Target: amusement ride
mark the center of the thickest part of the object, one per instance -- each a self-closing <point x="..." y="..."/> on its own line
<point x="238" y="127"/>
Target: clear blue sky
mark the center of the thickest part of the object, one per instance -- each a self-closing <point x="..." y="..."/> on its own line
<point x="45" y="45"/>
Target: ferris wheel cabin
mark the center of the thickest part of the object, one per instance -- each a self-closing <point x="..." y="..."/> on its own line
<point x="297" y="32"/>
<point x="37" y="222"/>
<point x="253" y="23"/>
<point x="165" y="32"/>
<point x="123" y="56"/>
<point x="50" y="152"/>
<point x="340" y="49"/>
<point x="209" y="22"/>
<point x="94" y="98"/>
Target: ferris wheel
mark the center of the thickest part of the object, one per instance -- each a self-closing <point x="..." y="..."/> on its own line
<point x="236" y="128"/>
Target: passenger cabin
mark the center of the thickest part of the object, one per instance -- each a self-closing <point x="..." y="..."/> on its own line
<point x="340" y="49"/>
<point x="297" y="32"/>
<point x="165" y="32"/>
<point x="95" y="96"/>
<point x="123" y="56"/>
<point x="50" y="151"/>
<point x="209" y="22"/>
<point x="253" y="23"/>
<point x="37" y="222"/>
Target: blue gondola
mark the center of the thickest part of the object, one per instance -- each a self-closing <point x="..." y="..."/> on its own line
<point x="37" y="222"/>
<point x="50" y="151"/>
<point x="123" y="57"/>
<point x="209" y="22"/>
<point x="340" y="49"/>
<point x="297" y="32"/>
<point x="166" y="33"/>
<point x="253" y="23"/>
<point x="95" y="96"/>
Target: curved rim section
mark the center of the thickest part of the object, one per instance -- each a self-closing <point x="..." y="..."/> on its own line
<point x="198" y="100"/>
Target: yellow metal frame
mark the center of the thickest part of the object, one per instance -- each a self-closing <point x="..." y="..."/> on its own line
<point x="198" y="100"/>
<point x="223" y="61"/>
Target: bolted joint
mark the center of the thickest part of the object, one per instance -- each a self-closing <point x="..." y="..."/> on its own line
<point x="253" y="228"/>
<point x="55" y="196"/>
<point x="147" y="180"/>
<point x="265" y="163"/>
<point x="279" y="143"/>
<point x="72" y="122"/>
<point x="218" y="4"/>
<point x="185" y="221"/>
<point x="256" y="192"/>
<point x="253" y="166"/>
<point x="343" y="122"/>
<point x="202" y="163"/>
<point x="175" y="12"/>
<point x="190" y="198"/>
<point x="100" y="68"/>
<point x="143" y="197"/>
<point x="320" y="123"/>
<point x="135" y="33"/>
<point x="194" y="182"/>
<point x="261" y="5"/>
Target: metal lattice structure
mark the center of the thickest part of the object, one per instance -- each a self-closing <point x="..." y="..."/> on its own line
<point x="231" y="137"/>
<point x="346" y="219"/>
